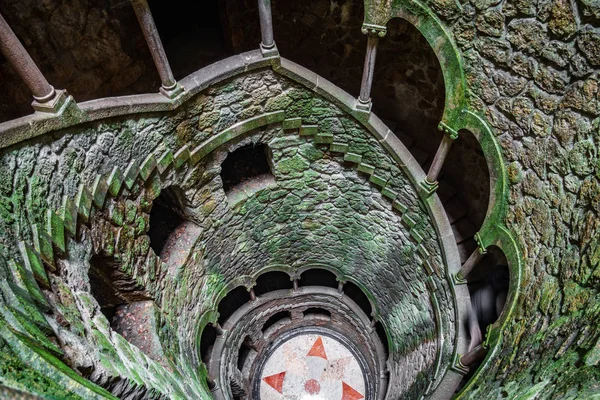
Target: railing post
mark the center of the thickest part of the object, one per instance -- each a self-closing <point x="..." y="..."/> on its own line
<point x="374" y="32"/>
<point x="170" y="87"/>
<point x="267" y="44"/>
<point x="468" y="266"/>
<point x="450" y="135"/>
<point x="477" y="354"/>
<point x="46" y="98"/>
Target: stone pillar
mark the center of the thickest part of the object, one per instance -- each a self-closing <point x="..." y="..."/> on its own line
<point x="170" y="87"/>
<point x="468" y="266"/>
<point x="46" y="99"/>
<point x="374" y="32"/>
<point x="267" y="44"/>
<point x="430" y="184"/>
<point x="478" y="353"/>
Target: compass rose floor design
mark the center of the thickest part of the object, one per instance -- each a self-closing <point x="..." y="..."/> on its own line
<point x="312" y="367"/>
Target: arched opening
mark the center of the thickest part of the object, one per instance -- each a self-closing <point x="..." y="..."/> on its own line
<point x="270" y="281"/>
<point x="194" y="33"/>
<point x="247" y="170"/>
<point x="112" y="288"/>
<point x="318" y="277"/>
<point x="324" y="37"/>
<point x="280" y="318"/>
<point x="207" y="341"/>
<point x="244" y="352"/>
<point x="466" y="190"/>
<point x="165" y="218"/>
<point x="128" y="308"/>
<point x="317" y="313"/>
<point x="359" y="297"/>
<point x="488" y="286"/>
<point x="408" y="94"/>
<point x="382" y="337"/>
<point x="408" y="89"/>
<point x="231" y="302"/>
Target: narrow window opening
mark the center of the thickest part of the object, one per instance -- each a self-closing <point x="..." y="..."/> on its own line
<point x="382" y="337"/>
<point x="316" y="312"/>
<point x="466" y="190"/>
<point x="243" y="353"/>
<point x="247" y="169"/>
<point x="207" y="341"/>
<point x="358" y="296"/>
<point x="165" y="218"/>
<point x="231" y="302"/>
<point x="272" y="281"/>
<point x="318" y="277"/>
<point x="488" y="287"/>
<point x="281" y="318"/>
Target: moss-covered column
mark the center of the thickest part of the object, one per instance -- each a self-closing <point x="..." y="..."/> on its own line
<point x="46" y="99"/>
<point x="170" y="87"/>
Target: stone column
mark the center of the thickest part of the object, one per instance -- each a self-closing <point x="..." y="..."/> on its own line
<point x="450" y="135"/>
<point x="374" y="32"/>
<point x="46" y="99"/>
<point x="468" y="266"/>
<point x="170" y="87"/>
<point x="267" y="44"/>
<point x="478" y="353"/>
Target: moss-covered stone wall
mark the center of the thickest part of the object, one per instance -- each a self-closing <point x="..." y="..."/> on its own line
<point x="338" y="199"/>
<point x="533" y="69"/>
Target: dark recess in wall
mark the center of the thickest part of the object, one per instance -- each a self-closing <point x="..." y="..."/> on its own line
<point x="275" y="318"/>
<point x="318" y="277"/>
<point x="358" y="296"/>
<point x="207" y="340"/>
<point x="270" y="281"/>
<point x="231" y="302"/>
<point x="244" y="164"/>
<point x="164" y="219"/>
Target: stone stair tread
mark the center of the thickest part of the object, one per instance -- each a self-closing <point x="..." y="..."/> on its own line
<point x="455" y="210"/>
<point x="389" y="123"/>
<point x="463" y="230"/>
<point x="404" y="138"/>
<point x="446" y="191"/>
<point x="419" y="155"/>
<point x="465" y="249"/>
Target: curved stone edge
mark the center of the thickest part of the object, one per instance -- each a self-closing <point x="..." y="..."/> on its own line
<point x="65" y="220"/>
<point x="40" y="123"/>
<point x="458" y="114"/>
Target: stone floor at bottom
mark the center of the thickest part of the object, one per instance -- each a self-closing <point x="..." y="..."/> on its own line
<point x="312" y="367"/>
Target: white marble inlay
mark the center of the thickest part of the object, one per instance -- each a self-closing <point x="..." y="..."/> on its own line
<point x="312" y="367"/>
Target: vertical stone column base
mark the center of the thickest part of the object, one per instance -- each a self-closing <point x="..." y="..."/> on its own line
<point x="363" y="106"/>
<point x="54" y="103"/>
<point x="269" y="51"/>
<point x="428" y="188"/>
<point x="172" y="92"/>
